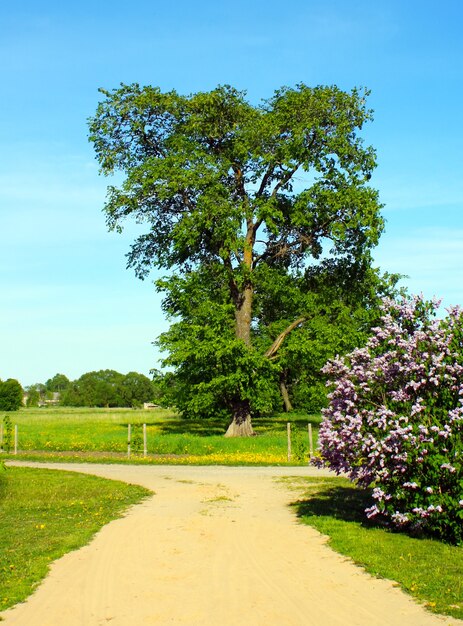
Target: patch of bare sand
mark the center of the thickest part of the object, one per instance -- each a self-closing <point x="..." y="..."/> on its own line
<point x="215" y="546"/>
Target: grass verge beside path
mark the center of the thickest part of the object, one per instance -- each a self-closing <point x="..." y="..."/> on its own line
<point x="46" y="513"/>
<point x="430" y="571"/>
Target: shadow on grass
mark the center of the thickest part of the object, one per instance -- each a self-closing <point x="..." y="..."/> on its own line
<point x="198" y="427"/>
<point x="183" y="426"/>
<point x="347" y="503"/>
<point x="208" y="427"/>
<point x="279" y="421"/>
<point x="341" y="502"/>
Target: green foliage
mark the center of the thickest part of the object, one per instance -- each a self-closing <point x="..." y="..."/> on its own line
<point x="242" y="202"/>
<point x="211" y="365"/>
<point x="108" y="388"/>
<point x="33" y="395"/>
<point x="299" y="446"/>
<point x="135" y="389"/>
<point x="136" y="441"/>
<point x="340" y="302"/>
<point x="7" y="443"/>
<point x="37" y="394"/>
<point x="100" y="388"/>
<point x="197" y="165"/>
<point x="164" y="388"/>
<point x="11" y="395"/>
<point x="58" y="383"/>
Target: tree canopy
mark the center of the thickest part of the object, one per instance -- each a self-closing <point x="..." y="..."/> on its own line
<point x="234" y="196"/>
<point x="11" y="395"/>
<point x="58" y="383"/>
<point x="108" y="388"/>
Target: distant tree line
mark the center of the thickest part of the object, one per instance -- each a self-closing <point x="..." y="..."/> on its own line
<point x="103" y="388"/>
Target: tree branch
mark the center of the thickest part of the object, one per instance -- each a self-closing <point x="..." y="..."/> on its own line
<point x="234" y="290"/>
<point x="283" y="247"/>
<point x="239" y="179"/>
<point x="187" y="200"/>
<point x="289" y="174"/>
<point x="265" y="179"/>
<point x="271" y="352"/>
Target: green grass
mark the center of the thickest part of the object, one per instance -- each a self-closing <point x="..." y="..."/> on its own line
<point x="101" y="434"/>
<point x="430" y="571"/>
<point x="46" y="513"/>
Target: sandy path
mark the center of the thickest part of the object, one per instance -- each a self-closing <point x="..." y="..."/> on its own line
<point x="215" y="546"/>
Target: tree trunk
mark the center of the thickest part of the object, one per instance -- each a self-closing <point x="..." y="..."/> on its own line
<point x="243" y="315"/>
<point x="284" y="393"/>
<point x="244" y="295"/>
<point x="240" y="426"/>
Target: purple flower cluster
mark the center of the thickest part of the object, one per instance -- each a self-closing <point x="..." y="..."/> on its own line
<point x="395" y="417"/>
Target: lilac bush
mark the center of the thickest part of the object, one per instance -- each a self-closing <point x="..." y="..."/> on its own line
<point x="395" y="418"/>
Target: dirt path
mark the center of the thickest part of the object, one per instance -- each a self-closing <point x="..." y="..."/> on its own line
<point x="215" y="546"/>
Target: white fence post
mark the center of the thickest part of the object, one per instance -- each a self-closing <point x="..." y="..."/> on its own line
<point x="129" y="433"/>
<point x="145" y="450"/>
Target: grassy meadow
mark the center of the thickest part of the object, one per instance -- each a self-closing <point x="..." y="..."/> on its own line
<point x="101" y="434"/>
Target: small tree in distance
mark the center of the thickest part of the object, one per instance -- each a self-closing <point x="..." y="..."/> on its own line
<point x="108" y="388"/>
<point x="34" y="394"/>
<point x="11" y="395"/>
<point x="58" y="383"/>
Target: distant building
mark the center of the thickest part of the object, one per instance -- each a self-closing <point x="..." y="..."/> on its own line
<point x="53" y="401"/>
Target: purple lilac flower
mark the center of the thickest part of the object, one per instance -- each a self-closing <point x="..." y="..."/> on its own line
<point x="394" y="405"/>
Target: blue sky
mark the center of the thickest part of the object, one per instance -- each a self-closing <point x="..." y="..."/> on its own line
<point x="67" y="303"/>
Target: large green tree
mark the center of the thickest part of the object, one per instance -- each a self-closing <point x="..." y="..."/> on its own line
<point x="226" y="188"/>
